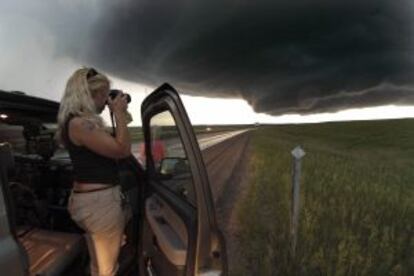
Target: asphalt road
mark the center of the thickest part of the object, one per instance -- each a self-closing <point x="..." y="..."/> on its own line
<point x="227" y="168"/>
<point x="205" y="141"/>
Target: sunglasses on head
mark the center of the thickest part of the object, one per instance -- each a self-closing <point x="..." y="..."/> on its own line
<point x="91" y="73"/>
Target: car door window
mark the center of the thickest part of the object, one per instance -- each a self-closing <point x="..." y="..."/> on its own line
<point x="169" y="157"/>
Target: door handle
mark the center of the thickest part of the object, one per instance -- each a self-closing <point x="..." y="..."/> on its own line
<point x="184" y="192"/>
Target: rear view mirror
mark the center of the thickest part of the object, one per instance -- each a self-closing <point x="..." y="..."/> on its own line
<point x="174" y="166"/>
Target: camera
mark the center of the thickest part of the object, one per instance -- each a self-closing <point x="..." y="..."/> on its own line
<point x="114" y="92"/>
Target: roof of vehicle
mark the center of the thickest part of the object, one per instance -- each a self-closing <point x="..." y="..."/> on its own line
<point x="17" y="108"/>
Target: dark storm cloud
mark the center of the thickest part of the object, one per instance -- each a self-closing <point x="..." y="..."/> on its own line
<point x="303" y="56"/>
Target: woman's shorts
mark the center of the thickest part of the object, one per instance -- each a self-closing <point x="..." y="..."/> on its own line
<point x="99" y="211"/>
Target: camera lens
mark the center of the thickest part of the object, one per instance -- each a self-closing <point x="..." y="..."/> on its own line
<point x="114" y="92"/>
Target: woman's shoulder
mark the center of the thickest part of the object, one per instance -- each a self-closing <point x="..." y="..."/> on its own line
<point x="81" y="127"/>
<point x="86" y="123"/>
<point x="82" y="122"/>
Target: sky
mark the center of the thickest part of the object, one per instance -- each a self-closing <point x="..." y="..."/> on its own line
<point x="234" y="61"/>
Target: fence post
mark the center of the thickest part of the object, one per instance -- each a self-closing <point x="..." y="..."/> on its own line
<point x="297" y="154"/>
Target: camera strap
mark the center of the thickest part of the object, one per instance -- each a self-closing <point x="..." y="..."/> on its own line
<point x="113" y="124"/>
<point x="117" y="162"/>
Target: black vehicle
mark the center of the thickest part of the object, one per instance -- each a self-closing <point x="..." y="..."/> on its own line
<point x="173" y="230"/>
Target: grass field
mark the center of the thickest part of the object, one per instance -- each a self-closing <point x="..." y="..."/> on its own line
<point x="357" y="200"/>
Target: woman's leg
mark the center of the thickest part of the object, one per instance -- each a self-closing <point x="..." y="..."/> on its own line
<point x="106" y="247"/>
<point x="93" y="263"/>
<point x="106" y="231"/>
<point x="103" y="219"/>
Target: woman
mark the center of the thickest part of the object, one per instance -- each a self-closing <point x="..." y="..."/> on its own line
<point x="95" y="201"/>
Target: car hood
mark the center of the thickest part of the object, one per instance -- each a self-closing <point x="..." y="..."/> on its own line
<point x="17" y="108"/>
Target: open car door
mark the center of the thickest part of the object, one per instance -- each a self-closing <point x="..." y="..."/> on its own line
<point x="179" y="233"/>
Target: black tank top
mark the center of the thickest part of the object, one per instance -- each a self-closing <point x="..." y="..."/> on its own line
<point x="88" y="166"/>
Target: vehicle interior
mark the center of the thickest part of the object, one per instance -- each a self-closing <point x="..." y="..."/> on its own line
<point x="38" y="183"/>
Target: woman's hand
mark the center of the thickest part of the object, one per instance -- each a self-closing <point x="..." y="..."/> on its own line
<point x="118" y="105"/>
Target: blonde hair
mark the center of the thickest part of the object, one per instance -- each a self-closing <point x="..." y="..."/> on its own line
<point x="78" y="99"/>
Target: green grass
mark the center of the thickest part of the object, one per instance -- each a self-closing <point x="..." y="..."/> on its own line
<point x="357" y="200"/>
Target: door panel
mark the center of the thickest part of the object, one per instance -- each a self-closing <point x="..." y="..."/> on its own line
<point x="169" y="230"/>
<point x="180" y="235"/>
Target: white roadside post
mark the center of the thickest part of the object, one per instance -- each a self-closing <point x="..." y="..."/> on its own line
<point x="297" y="154"/>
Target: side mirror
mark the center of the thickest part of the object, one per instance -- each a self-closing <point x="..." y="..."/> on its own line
<point x="174" y="166"/>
